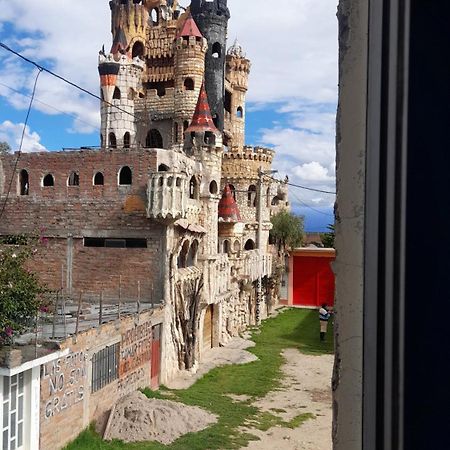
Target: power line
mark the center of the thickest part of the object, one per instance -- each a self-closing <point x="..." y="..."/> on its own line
<point x="65" y="80"/>
<point x="21" y="144"/>
<point x="50" y="106"/>
<point x="310" y="207"/>
<point x="303" y="187"/>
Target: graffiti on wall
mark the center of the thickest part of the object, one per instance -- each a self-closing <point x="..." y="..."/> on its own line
<point x="63" y="383"/>
<point x="135" y="349"/>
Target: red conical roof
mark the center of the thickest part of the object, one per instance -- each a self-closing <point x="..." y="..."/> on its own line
<point x="120" y="43"/>
<point x="189" y="29"/>
<point x="228" y="208"/>
<point x="202" y="119"/>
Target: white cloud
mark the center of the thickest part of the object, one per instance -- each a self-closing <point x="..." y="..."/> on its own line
<point x="12" y="133"/>
<point x="314" y="172"/>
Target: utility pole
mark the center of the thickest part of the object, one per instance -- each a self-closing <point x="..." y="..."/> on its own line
<point x="259" y="240"/>
<point x="259" y="246"/>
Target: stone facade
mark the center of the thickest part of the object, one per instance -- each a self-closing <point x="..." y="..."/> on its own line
<point x="140" y="217"/>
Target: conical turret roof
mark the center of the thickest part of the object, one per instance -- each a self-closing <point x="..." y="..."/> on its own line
<point x="189" y="29"/>
<point x="228" y="208"/>
<point x="120" y="43"/>
<point x="202" y="119"/>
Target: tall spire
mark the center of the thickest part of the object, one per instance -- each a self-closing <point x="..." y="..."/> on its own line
<point x="202" y="119"/>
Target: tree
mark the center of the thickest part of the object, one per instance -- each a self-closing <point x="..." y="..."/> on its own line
<point x="328" y="238"/>
<point x="287" y="231"/>
<point x="5" y="148"/>
<point x="20" y="290"/>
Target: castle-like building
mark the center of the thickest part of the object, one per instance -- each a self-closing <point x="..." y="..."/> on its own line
<point x="173" y="209"/>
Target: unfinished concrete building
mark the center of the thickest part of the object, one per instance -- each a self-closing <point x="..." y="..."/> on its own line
<point x="171" y="214"/>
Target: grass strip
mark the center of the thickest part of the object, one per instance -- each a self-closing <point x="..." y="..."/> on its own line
<point x="293" y="328"/>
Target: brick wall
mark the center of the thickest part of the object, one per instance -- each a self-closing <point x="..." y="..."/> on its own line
<point x="68" y="404"/>
<point x="69" y="213"/>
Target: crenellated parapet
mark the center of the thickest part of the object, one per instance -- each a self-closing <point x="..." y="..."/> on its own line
<point x="246" y="162"/>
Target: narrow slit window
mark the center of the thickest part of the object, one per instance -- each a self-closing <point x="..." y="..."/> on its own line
<point x="24" y="182"/>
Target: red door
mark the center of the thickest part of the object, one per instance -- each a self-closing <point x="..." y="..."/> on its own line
<point x="313" y="281"/>
<point x="156" y="356"/>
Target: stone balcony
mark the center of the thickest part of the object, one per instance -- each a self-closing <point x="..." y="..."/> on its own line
<point x="169" y="199"/>
<point x="252" y="264"/>
<point x="167" y="196"/>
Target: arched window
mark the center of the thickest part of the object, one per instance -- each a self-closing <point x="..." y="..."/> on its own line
<point x="236" y="247"/>
<point x="276" y="201"/>
<point x="182" y="257"/>
<point x="125" y="176"/>
<point x="163" y="168"/>
<point x="185" y="126"/>
<point x="99" y="179"/>
<point x="48" y="180"/>
<point x="216" y="50"/>
<point x="192" y="255"/>
<point x="250" y="245"/>
<point x="226" y="247"/>
<point x="138" y="50"/>
<point x="233" y="191"/>
<point x="251" y="196"/>
<point x="213" y="188"/>
<point x="240" y="113"/>
<point x="112" y="140"/>
<point x="154" y="139"/>
<point x="126" y="140"/>
<point x="155" y="16"/>
<point x="131" y="94"/>
<point x="24" y="186"/>
<point x="193" y="189"/>
<point x="210" y="138"/>
<point x="73" y="180"/>
<point x="189" y="84"/>
<point x="102" y="140"/>
<point x="117" y="95"/>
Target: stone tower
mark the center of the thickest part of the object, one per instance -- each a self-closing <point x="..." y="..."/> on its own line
<point x="212" y="19"/>
<point x="189" y="54"/>
<point x="120" y="79"/>
<point x="130" y="20"/>
<point x="237" y="72"/>
<point x="203" y="141"/>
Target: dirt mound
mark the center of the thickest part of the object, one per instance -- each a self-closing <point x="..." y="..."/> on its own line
<point x="137" y="418"/>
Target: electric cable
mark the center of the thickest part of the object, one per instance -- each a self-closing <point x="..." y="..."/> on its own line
<point x="19" y="153"/>
<point x="301" y="187"/>
<point x="65" y="80"/>
<point x="312" y="208"/>
<point x="96" y="127"/>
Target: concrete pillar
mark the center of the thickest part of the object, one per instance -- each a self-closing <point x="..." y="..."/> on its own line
<point x="351" y="141"/>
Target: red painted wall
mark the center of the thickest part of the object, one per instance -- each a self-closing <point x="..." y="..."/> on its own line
<point x="313" y="281"/>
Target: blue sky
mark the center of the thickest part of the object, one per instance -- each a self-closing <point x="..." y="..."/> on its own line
<point x="291" y="101"/>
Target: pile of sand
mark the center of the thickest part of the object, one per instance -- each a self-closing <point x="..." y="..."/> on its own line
<point x="137" y="418"/>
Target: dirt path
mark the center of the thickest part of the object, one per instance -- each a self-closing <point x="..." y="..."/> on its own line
<point x="306" y="389"/>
